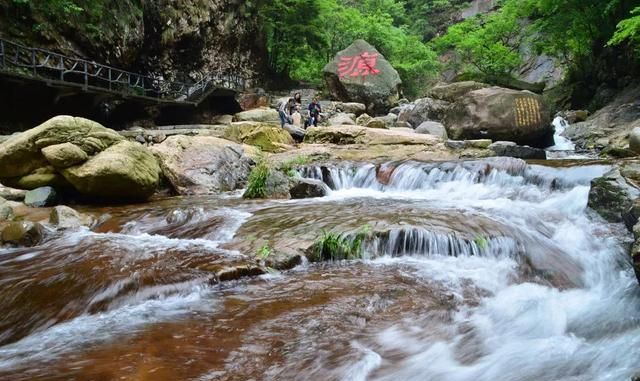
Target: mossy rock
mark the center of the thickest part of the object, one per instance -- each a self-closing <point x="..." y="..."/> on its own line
<point x="24" y="233"/>
<point x="267" y="137"/>
<point x="611" y="197"/>
<point x="64" y="155"/>
<point x="41" y="177"/>
<point x="21" y="154"/>
<point x="126" y="170"/>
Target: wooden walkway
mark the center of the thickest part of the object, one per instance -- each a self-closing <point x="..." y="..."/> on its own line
<point x="62" y="71"/>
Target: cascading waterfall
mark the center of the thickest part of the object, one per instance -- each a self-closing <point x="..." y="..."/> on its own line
<point x="420" y="242"/>
<point x="561" y="143"/>
<point x="413" y="176"/>
<point x="476" y="270"/>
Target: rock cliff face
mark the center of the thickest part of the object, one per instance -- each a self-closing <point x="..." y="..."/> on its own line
<point x="177" y="40"/>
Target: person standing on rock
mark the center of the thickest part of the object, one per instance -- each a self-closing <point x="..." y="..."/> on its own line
<point x="314" y="112"/>
<point x="298" y="98"/>
<point x="297" y="117"/>
<point x="285" y="109"/>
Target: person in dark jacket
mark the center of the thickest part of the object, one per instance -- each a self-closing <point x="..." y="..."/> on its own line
<point x="314" y="112"/>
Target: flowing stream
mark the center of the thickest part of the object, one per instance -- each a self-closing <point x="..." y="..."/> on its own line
<point x="479" y="270"/>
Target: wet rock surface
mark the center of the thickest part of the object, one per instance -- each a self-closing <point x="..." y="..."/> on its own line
<point x="511" y="149"/>
<point x="612" y="195"/>
<point x="23" y="233"/>
<point x="267" y="137"/>
<point x="377" y="87"/>
<point x="40" y="197"/>
<point x="500" y="114"/>
<point x="201" y="165"/>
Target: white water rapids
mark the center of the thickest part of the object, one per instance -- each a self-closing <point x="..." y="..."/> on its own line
<point x="519" y="331"/>
<point x="488" y="270"/>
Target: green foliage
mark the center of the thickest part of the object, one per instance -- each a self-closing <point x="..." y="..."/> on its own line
<point x="575" y="31"/>
<point x="289" y="167"/>
<point x="303" y="36"/>
<point x="256" y="187"/>
<point x="94" y="19"/>
<point x="264" y="252"/>
<point x="487" y="44"/>
<point x="332" y="246"/>
<point x="481" y="242"/>
<point x="628" y="30"/>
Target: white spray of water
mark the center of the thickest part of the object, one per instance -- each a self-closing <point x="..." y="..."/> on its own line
<point x="522" y="331"/>
<point x="561" y="143"/>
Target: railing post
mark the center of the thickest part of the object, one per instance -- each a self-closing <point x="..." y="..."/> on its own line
<point x="4" y="63"/>
<point x="33" y="62"/>
<point x="86" y="76"/>
<point x="110" y="79"/>
<point x="61" y="67"/>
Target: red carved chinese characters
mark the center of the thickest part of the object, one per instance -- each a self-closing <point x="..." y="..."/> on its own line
<point x="358" y="66"/>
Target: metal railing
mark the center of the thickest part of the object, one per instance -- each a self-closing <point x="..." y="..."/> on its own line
<point x="49" y="66"/>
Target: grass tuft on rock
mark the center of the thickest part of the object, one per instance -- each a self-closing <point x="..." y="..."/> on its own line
<point x="256" y="186"/>
<point x="289" y="167"/>
<point x="331" y="246"/>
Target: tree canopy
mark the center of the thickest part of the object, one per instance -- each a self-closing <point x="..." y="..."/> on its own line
<point x="303" y="35"/>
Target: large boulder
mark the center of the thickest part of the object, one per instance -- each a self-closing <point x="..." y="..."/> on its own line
<point x="501" y="114"/>
<point x="376" y="123"/>
<point x="41" y="197"/>
<point x="612" y="196"/>
<point x="361" y="74"/>
<point x="424" y="110"/>
<point x="451" y="92"/>
<point x="64" y="155"/>
<point x="6" y="211"/>
<point x="308" y="188"/>
<point x="276" y="186"/>
<point x="611" y="126"/>
<point x="432" y="128"/>
<point x="340" y="119"/>
<point x="22" y="154"/>
<point x="253" y="99"/>
<point x="389" y="120"/>
<point x="511" y="149"/>
<point x="351" y="108"/>
<point x="41" y="177"/>
<point x="347" y="135"/>
<point x="64" y="217"/>
<point x="125" y="170"/>
<point x="261" y="114"/>
<point x="203" y="164"/>
<point x="297" y="133"/>
<point x="12" y="194"/>
<point x="75" y="152"/>
<point x="363" y="120"/>
<point x="267" y="137"/>
<point x="23" y="233"/>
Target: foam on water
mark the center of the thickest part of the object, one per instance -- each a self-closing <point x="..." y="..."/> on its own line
<point x="561" y="143"/>
<point x="102" y="327"/>
<point x="514" y="330"/>
<point x="521" y="331"/>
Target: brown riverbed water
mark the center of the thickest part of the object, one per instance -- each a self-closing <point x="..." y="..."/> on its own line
<point x="490" y="270"/>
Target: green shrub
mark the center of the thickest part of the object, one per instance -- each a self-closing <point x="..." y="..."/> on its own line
<point x="331" y="246"/>
<point x="289" y="167"/>
<point x="256" y="187"/>
<point x="264" y="252"/>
